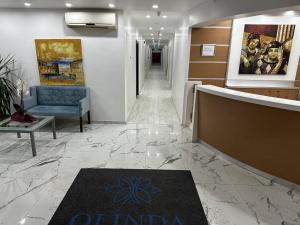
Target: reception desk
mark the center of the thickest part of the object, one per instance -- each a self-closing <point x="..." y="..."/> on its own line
<point x="259" y="131"/>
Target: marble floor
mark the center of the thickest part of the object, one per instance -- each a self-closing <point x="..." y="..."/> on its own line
<point x="32" y="188"/>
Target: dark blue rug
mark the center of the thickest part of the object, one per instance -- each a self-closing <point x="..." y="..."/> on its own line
<point x="131" y="197"/>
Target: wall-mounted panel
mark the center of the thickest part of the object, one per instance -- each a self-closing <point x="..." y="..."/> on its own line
<point x="221" y="54"/>
<point x="206" y="81"/>
<point x="207" y="70"/>
<point x="211" y="35"/>
<point x="210" y="67"/>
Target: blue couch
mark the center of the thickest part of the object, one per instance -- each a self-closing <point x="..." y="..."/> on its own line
<point x="59" y="101"/>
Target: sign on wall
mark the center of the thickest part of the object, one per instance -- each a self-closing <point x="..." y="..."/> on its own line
<point x="208" y="50"/>
<point x="266" y="49"/>
<point x="60" y="61"/>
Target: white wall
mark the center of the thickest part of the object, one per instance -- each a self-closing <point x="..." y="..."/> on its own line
<point x="130" y="71"/>
<point x="103" y="55"/>
<point x="234" y="79"/>
<point x="170" y="61"/>
<point x="142" y="63"/>
<point x="212" y="10"/>
<point x="165" y="59"/>
<point x="180" y="67"/>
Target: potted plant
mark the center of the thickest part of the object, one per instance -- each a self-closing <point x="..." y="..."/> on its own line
<point x="8" y="90"/>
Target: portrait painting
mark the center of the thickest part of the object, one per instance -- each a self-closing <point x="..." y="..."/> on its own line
<point x="266" y="49"/>
<point x="60" y="62"/>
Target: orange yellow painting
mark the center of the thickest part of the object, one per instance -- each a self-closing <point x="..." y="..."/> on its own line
<point x="60" y="62"/>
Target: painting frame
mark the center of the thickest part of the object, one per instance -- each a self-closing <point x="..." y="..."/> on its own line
<point x="60" y="62"/>
<point x="266" y="49"/>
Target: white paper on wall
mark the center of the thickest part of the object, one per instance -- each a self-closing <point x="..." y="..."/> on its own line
<point x="208" y="50"/>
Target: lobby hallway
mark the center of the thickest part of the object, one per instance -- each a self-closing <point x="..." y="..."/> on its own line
<point x="154" y="104"/>
<point x="32" y="188"/>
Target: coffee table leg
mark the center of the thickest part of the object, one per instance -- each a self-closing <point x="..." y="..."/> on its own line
<point x="54" y="128"/>
<point x="19" y="135"/>
<point x="33" y="143"/>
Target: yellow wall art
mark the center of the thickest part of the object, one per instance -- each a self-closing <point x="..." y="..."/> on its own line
<point x="60" y="62"/>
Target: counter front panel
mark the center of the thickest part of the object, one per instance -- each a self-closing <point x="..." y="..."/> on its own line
<point x="266" y="138"/>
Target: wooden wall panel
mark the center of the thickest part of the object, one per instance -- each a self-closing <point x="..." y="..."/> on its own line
<point x="221" y="54"/>
<point x="207" y="70"/>
<point x="263" y="137"/>
<point x="211" y="36"/>
<point x="215" y="82"/>
<point x="273" y="92"/>
<point x="218" y="33"/>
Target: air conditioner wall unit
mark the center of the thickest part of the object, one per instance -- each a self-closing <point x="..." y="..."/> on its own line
<point x="91" y="19"/>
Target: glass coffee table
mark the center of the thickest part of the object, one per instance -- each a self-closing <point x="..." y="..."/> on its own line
<point x="8" y="126"/>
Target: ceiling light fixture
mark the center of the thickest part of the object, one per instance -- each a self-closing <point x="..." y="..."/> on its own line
<point x="155" y="6"/>
<point x="160" y="34"/>
<point x="150" y="28"/>
<point x="111" y="5"/>
<point x="289" y="13"/>
<point x="165" y="17"/>
<point x="148" y="16"/>
<point x="68" y="5"/>
<point x="27" y="4"/>
<point x="151" y="34"/>
<point x="162" y="28"/>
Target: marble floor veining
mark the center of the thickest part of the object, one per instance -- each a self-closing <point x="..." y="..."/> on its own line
<point x="32" y="188"/>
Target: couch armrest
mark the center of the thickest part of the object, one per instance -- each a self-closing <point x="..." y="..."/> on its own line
<point x="31" y="100"/>
<point x="84" y="106"/>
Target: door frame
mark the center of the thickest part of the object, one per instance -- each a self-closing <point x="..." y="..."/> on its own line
<point x="137" y="69"/>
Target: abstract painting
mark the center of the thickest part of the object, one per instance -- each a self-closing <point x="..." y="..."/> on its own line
<point x="266" y="49"/>
<point x="60" y="62"/>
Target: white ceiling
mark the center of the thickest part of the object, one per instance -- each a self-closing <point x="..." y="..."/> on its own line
<point x="169" y="5"/>
<point x="136" y="11"/>
<point x="143" y="24"/>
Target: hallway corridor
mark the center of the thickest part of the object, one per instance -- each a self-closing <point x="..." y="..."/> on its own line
<point x="154" y="104"/>
<point x="32" y="188"/>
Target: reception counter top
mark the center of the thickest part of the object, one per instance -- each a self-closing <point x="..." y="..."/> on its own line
<point x="258" y="131"/>
<point x="251" y="98"/>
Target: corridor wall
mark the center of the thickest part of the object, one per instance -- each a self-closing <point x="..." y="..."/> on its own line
<point x="180" y="67"/>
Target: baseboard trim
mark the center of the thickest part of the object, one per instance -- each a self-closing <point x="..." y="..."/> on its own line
<point x="108" y="122"/>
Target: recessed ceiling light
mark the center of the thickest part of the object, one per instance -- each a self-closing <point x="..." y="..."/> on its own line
<point x="111" y="5"/>
<point x="155" y="6"/>
<point x="148" y="16"/>
<point x="27" y="4"/>
<point x="150" y="28"/>
<point x="165" y="17"/>
<point x="289" y="13"/>
<point x="68" y="5"/>
<point x="162" y="28"/>
<point x="151" y="34"/>
<point x="160" y="34"/>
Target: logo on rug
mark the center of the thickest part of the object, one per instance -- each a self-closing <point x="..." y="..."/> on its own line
<point x="133" y="190"/>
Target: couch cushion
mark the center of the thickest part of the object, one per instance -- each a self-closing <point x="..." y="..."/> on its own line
<point x="60" y="111"/>
<point x="60" y="95"/>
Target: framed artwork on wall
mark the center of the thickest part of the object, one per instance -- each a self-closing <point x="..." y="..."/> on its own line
<point x="266" y="49"/>
<point x="60" y="62"/>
